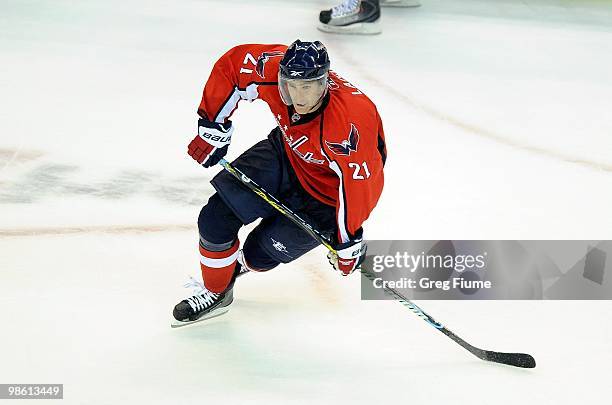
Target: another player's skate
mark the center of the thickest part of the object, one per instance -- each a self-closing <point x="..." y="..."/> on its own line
<point x="352" y="17"/>
<point x="204" y="304"/>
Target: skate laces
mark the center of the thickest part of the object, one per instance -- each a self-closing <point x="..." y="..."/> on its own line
<point x="347" y="7"/>
<point x="203" y="298"/>
<point x="196" y="285"/>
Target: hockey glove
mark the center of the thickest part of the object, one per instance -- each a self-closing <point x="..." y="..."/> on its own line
<point x="349" y="255"/>
<point x="211" y="143"/>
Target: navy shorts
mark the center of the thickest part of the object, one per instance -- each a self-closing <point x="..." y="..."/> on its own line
<point x="280" y="239"/>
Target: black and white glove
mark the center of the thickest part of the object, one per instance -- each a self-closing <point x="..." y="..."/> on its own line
<point x="349" y="255"/>
<point x="211" y="143"/>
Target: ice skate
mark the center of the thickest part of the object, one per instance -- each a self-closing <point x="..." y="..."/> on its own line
<point x="204" y="304"/>
<point x="352" y="17"/>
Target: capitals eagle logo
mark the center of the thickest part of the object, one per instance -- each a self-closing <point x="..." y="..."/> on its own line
<point x="346" y="146"/>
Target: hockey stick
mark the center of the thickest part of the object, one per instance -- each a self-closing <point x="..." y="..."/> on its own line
<point x="513" y="359"/>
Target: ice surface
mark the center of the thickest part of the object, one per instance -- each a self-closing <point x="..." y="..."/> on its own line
<point x="498" y="127"/>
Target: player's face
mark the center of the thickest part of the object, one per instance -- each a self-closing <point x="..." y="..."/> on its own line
<point x="306" y="96"/>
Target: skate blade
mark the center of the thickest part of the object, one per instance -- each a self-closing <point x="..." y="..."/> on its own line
<point x="179" y="324"/>
<point x="402" y="3"/>
<point x="353" y="29"/>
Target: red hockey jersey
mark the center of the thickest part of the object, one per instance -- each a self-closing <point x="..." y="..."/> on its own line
<point x="338" y="154"/>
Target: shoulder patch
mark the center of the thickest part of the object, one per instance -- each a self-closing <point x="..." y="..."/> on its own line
<point x="347" y="146"/>
<point x="263" y="59"/>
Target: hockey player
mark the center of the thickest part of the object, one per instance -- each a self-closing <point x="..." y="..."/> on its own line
<point x="324" y="160"/>
<point x="358" y="16"/>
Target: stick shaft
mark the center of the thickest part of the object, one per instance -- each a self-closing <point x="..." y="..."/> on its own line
<point x="276" y="204"/>
<point x="513" y="359"/>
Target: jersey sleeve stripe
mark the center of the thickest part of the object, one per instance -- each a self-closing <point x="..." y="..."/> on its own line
<point x="231" y="102"/>
<point x="342" y="226"/>
<point x="250" y="93"/>
<point x="341" y="216"/>
<point x="382" y="149"/>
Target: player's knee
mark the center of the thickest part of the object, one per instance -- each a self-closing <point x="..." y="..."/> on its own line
<point x="256" y="258"/>
<point x="217" y="223"/>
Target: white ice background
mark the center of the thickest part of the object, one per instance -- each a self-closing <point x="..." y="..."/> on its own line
<point x="499" y="126"/>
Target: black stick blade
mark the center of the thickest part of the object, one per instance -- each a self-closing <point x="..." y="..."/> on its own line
<point x="512" y="359"/>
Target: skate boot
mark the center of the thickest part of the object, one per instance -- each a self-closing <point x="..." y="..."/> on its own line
<point x="204" y="304"/>
<point x="352" y="17"/>
<point x="399" y="3"/>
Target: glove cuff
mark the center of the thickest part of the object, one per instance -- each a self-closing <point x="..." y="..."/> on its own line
<point x="215" y="133"/>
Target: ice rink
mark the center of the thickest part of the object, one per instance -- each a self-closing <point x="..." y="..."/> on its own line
<point x="498" y="126"/>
